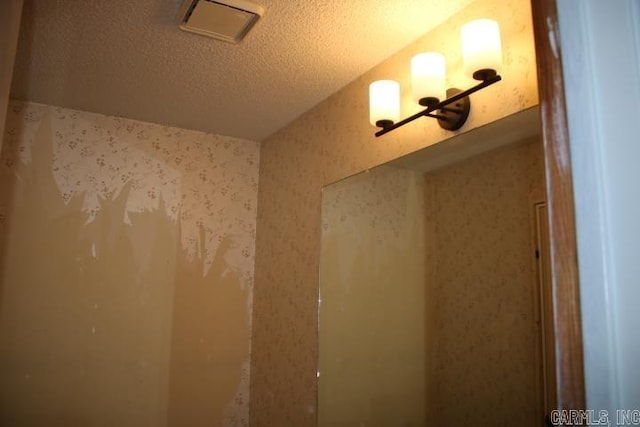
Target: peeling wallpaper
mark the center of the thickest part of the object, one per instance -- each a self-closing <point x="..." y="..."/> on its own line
<point x="127" y="271"/>
<point x="96" y="157"/>
<point x="330" y="142"/>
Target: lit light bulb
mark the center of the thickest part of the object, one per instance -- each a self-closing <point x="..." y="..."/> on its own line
<point x="384" y="102"/>
<point x="428" y="78"/>
<point x="481" y="49"/>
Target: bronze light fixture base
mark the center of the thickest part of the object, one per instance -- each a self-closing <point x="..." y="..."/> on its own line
<point x="451" y="113"/>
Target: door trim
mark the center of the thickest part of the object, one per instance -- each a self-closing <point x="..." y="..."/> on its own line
<point x="559" y="186"/>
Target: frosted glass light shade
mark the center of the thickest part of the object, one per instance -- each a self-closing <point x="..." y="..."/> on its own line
<point x="428" y="78"/>
<point x="481" y="48"/>
<point x="384" y="102"/>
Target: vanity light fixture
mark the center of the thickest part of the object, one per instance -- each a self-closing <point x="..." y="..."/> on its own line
<point x="482" y="57"/>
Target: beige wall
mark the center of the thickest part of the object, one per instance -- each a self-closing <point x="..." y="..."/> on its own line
<point x="372" y="310"/>
<point x="126" y="272"/>
<point x="330" y="142"/>
<point x="10" y="13"/>
<point x="485" y="367"/>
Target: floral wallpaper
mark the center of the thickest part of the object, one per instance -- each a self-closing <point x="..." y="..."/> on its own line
<point x="132" y="244"/>
<point x="97" y="156"/>
<point x="330" y="142"/>
<point x="485" y="368"/>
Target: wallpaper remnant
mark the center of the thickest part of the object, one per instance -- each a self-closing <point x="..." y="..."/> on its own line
<point x="97" y="156"/>
<point x="127" y="271"/>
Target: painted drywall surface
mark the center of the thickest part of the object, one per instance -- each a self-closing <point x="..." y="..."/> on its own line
<point x="604" y="153"/>
<point x="372" y="309"/>
<point x="10" y="13"/>
<point x="484" y="368"/>
<point x="330" y="142"/>
<point x="127" y="258"/>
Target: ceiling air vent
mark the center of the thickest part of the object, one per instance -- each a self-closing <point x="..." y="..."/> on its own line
<point x="228" y="20"/>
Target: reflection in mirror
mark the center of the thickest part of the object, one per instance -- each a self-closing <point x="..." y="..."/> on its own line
<point x="430" y="299"/>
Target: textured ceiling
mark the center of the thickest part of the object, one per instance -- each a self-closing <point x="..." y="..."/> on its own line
<point x="128" y="58"/>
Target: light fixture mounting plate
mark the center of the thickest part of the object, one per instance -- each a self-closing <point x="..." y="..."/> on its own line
<point x="454" y="115"/>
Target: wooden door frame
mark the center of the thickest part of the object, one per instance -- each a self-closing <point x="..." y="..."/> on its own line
<point x="559" y="185"/>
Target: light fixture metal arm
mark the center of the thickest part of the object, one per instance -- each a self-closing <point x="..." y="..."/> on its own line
<point x="488" y="81"/>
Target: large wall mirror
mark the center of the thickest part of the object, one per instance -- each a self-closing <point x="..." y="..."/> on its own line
<point x="432" y="286"/>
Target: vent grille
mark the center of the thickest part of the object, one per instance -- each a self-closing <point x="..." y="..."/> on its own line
<point x="228" y="20"/>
